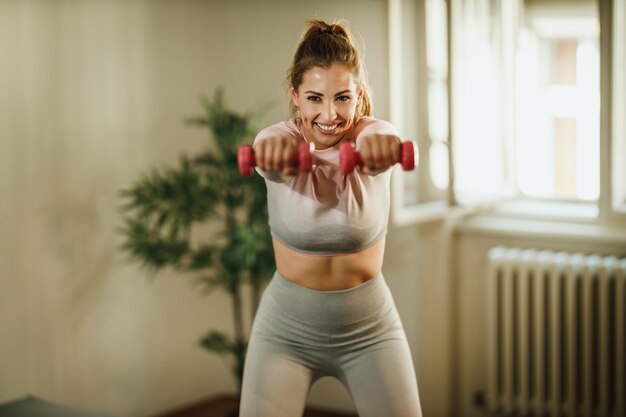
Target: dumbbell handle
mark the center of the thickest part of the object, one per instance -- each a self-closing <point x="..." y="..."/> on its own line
<point x="349" y="158"/>
<point x="246" y="159"/>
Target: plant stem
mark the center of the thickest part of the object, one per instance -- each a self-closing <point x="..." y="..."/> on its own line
<point x="239" y="336"/>
<point x="256" y="293"/>
<point x="235" y="291"/>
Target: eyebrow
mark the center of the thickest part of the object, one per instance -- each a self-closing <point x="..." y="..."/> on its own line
<point x="320" y="94"/>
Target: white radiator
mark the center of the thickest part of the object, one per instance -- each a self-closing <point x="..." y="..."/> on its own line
<point x="557" y="324"/>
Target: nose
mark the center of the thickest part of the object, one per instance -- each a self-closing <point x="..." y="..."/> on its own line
<point x="329" y="112"/>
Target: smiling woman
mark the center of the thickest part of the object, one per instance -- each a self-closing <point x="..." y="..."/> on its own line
<point x="328" y="310"/>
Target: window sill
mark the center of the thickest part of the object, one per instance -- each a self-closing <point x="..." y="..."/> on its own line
<point x="559" y="211"/>
<point x="492" y="224"/>
<point x="524" y="218"/>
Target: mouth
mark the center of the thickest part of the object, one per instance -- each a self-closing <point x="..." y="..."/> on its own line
<point x="327" y="129"/>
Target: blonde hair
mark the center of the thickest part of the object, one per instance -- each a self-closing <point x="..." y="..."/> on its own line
<point x="322" y="45"/>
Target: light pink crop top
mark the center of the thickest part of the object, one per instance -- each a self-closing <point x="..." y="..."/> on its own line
<point x="324" y="211"/>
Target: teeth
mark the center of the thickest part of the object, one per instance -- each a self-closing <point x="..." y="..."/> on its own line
<point x="327" y="128"/>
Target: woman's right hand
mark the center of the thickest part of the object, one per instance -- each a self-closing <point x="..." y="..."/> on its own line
<point x="277" y="154"/>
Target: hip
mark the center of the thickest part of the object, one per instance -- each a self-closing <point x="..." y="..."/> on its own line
<point x="356" y="317"/>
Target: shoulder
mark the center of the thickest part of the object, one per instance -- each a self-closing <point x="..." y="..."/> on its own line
<point x="370" y="125"/>
<point x="290" y="128"/>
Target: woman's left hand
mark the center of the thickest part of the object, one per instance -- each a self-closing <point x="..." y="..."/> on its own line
<point x="379" y="152"/>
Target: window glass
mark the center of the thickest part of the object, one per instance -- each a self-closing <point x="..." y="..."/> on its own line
<point x="477" y="100"/>
<point x="557" y="101"/>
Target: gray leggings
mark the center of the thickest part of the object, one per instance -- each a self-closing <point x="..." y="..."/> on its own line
<point x="300" y="335"/>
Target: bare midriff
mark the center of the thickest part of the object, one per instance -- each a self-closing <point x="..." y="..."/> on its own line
<point x="329" y="272"/>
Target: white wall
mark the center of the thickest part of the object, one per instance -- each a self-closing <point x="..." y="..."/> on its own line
<point x="92" y="94"/>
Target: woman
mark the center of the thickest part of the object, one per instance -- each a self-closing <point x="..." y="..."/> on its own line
<point x="328" y="310"/>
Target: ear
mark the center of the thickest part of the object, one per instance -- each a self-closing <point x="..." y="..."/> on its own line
<point x="360" y="95"/>
<point x="294" y="95"/>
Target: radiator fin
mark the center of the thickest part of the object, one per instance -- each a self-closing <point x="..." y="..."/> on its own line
<point x="556" y="326"/>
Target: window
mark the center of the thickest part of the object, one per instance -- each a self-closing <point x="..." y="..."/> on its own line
<point x="557" y="101"/>
<point x="618" y="104"/>
<point x="512" y="110"/>
<point x="419" y="63"/>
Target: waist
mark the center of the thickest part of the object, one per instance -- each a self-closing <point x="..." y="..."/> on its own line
<point x="337" y="308"/>
<point x="329" y="272"/>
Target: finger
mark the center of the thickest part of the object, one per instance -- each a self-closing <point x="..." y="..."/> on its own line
<point x="269" y="149"/>
<point x="376" y="157"/>
<point x="277" y="156"/>
<point x="289" y="171"/>
<point x="259" y="155"/>
<point x="395" y="150"/>
<point x="385" y="153"/>
<point x="366" y="153"/>
<point x="287" y="157"/>
<point x="267" y="155"/>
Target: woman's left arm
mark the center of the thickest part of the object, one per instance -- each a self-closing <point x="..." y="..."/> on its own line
<point x="379" y="146"/>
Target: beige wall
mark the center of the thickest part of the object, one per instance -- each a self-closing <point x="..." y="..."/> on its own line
<point x="92" y="95"/>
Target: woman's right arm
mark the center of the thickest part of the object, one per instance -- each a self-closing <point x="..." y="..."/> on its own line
<point x="275" y="148"/>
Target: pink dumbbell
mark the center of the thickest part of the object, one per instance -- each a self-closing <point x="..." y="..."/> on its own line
<point x="349" y="158"/>
<point x="246" y="159"/>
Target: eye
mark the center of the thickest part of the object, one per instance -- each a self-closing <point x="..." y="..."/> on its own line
<point x="314" y="98"/>
<point x="343" y="98"/>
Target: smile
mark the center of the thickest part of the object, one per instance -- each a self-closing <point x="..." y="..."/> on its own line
<point x="327" y="128"/>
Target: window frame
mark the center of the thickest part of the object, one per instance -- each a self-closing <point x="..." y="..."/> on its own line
<point x="408" y="67"/>
<point x="609" y="209"/>
<point x="613" y="17"/>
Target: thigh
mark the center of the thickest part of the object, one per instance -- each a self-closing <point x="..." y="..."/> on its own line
<point x="381" y="380"/>
<point x="275" y="382"/>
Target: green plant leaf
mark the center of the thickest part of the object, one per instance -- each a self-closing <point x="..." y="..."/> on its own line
<point x="218" y="342"/>
<point x="202" y="257"/>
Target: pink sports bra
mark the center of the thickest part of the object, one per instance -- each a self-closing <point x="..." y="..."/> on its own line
<point x="325" y="212"/>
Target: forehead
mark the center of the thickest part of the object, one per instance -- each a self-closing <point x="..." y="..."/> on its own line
<point x="336" y="76"/>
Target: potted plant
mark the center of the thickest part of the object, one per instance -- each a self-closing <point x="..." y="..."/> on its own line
<point x="164" y="208"/>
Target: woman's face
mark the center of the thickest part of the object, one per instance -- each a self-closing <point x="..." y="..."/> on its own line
<point x="327" y="99"/>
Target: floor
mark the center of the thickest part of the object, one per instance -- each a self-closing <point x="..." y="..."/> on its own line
<point x="226" y="406"/>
